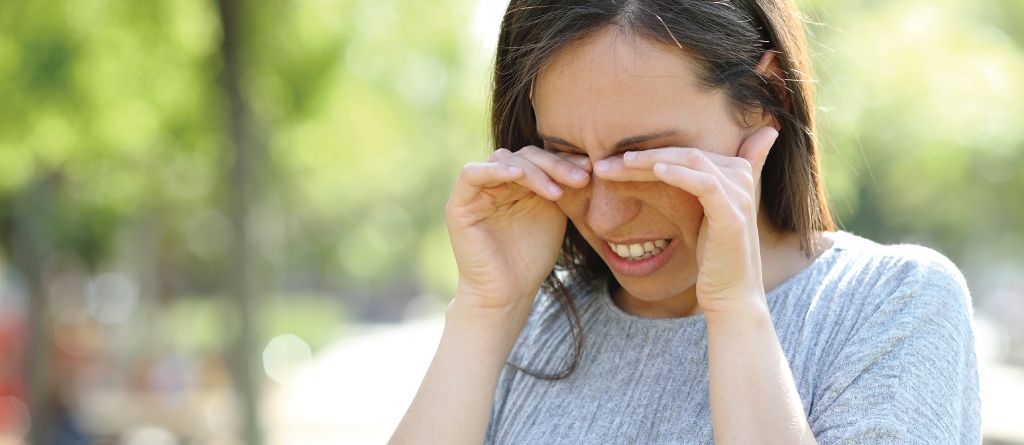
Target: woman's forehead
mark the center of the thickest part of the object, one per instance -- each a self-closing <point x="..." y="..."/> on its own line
<point x="614" y="85"/>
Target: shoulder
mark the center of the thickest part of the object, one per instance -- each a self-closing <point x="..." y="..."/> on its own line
<point x="900" y="346"/>
<point x="893" y="308"/>
<point x="905" y="272"/>
<point x="864" y="298"/>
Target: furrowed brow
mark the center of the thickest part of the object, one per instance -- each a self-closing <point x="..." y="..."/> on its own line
<point x="647" y="137"/>
<point x="618" y="146"/>
<point x="554" y="140"/>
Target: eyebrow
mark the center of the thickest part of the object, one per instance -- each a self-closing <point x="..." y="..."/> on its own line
<point x="621" y="144"/>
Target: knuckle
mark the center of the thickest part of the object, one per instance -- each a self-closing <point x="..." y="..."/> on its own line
<point x="708" y="183"/>
<point x="500" y="154"/>
<point x="528" y="150"/>
<point x="745" y="205"/>
<point x="742" y="163"/>
<point x="746" y="181"/>
<point x="693" y="156"/>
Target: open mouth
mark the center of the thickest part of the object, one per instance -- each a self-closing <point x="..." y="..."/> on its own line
<point x="639" y="251"/>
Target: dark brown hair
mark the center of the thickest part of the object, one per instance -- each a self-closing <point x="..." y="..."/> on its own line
<point x="726" y="39"/>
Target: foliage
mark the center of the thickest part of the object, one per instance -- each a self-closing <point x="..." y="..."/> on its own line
<point x="366" y="109"/>
<point x="920" y="123"/>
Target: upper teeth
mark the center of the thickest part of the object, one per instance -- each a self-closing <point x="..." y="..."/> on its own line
<point x="634" y="252"/>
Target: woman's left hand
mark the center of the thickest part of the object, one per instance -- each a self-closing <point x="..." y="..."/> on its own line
<point x="728" y="253"/>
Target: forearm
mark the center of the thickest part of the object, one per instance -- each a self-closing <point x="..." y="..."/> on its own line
<point x="753" y="395"/>
<point x="453" y="404"/>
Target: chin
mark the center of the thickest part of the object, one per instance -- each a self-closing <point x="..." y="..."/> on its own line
<point x="658" y="288"/>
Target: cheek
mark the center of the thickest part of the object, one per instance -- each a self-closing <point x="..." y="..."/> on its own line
<point x="574" y="203"/>
<point x="680" y="208"/>
<point x="688" y="215"/>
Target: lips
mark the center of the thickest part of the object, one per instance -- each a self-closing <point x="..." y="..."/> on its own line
<point x="639" y="251"/>
<point x="646" y="263"/>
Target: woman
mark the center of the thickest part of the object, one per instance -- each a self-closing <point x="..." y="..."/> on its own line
<point x="664" y="159"/>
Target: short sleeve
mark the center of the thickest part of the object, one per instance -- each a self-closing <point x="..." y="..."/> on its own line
<point x="908" y="373"/>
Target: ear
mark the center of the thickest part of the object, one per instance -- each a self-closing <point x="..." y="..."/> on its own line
<point x="769" y="70"/>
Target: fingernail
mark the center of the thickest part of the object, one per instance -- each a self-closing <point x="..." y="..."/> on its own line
<point x="578" y="175"/>
<point x="601" y="166"/>
<point x="660" y="168"/>
<point x="554" y="189"/>
<point x="585" y="161"/>
<point x="629" y="156"/>
<point x="514" y="170"/>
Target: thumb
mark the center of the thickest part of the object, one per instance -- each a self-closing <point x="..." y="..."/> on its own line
<point x="755" y="149"/>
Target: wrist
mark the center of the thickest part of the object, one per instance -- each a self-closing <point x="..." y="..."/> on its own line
<point x="466" y="309"/>
<point x="498" y="324"/>
<point x="745" y="311"/>
<point x="488" y="304"/>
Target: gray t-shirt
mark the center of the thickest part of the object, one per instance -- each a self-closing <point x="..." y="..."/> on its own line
<point x="879" y="340"/>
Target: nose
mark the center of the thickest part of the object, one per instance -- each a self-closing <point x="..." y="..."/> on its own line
<point x="610" y="207"/>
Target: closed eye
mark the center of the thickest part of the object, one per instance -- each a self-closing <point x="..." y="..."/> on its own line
<point x="556" y="150"/>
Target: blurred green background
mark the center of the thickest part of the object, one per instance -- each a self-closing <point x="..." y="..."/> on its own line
<point x="188" y="186"/>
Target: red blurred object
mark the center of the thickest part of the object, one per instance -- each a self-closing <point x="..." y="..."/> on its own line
<point x="12" y="356"/>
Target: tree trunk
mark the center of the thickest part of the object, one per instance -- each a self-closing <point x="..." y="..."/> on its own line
<point x="29" y="243"/>
<point x="244" y="363"/>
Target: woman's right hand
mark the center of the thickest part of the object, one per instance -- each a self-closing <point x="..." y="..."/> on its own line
<point x="505" y="228"/>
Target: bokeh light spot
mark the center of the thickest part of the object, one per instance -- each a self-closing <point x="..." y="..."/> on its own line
<point x="14" y="421"/>
<point x="287" y="359"/>
<point x="148" y="435"/>
<point x="111" y="298"/>
<point x="77" y="333"/>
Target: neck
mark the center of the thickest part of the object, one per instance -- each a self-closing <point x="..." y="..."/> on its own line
<point x="781" y="255"/>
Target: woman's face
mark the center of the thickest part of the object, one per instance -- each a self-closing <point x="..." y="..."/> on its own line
<point x="614" y="93"/>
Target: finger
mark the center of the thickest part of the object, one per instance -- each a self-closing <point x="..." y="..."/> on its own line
<point x="583" y="161"/>
<point x="476" y="176"/>
<point x="755" y="149"/>
<point x="535" y="178"/>
<point x="556" y="167"/>
<point x="687" y="157"/>
<point x="705" y="186"/>
<point x="730" y="170"/>
<point x="614" y="169"/>
<point x="690" y="158"/>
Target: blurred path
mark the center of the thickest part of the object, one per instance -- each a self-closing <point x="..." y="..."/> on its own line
<point x="360" y="387"/>
<point x="1002" y="387"/>
<point x="1002" y="403"/>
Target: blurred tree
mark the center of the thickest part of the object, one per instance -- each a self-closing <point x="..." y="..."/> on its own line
<point x="920" y="124"/>
<point x="114" y="116"/>
<point x="243" y="188"/>
<point x="96" y="96"/>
